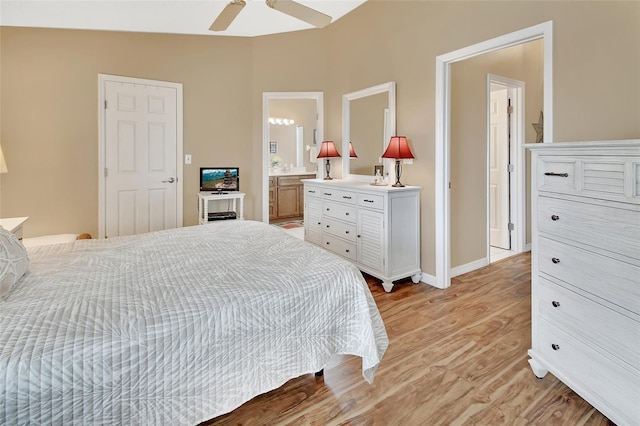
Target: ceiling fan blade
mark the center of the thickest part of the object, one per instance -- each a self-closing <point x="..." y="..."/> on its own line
<point x="227" y="15"/>
<point x="300" y="11"/>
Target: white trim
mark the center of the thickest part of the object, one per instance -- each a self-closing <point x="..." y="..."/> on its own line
<point x="443" y="127"/>
<point x="266" y="97"/>
<point x="102" y="79"/>
<point x="390" y="88"/>
<point x="468" y="267"/>
<point x="428" y="279"/>
<point x="516" y="91"/>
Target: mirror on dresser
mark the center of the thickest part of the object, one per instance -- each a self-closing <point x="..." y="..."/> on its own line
<point x="368" y="122"/>
<point x="293" y="126"/>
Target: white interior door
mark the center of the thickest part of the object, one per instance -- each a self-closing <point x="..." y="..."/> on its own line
<point x="141" y="158"/>
<point x="498" y="168"/>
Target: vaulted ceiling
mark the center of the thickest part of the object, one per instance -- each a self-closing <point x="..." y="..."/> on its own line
<point x="158" y="16"/>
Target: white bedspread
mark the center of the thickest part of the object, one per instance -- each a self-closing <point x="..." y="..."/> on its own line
<point x="176" y="327"/>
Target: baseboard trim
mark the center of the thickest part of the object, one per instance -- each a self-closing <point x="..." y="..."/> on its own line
<point x="429" y="279"/>
<point x="468" y="267"/>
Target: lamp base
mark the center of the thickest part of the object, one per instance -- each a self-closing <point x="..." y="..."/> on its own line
<point x="398" y="173"/>
<point x="330" y="178"/>
<point x="398" y="185"/>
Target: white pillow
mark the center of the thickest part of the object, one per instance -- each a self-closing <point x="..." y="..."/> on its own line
<point x="14" y="261"/>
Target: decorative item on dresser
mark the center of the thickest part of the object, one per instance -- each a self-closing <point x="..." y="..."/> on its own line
<point x="586" y="271"/>
<point x="377" y="228"/>
<point x="398" y="149"/>
<point x="327" y="151"/>
<point x="286" y="196"/>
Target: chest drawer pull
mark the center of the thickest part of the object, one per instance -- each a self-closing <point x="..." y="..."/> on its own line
<point x="368" y="201"/>
<point x="555" y="346"/>
<point x="557" y="174"/>
<point x="311" y="191"/>
<point x="346" y="197"/>
<point x="555" y="303"/>
<point x="328" y="194"/>
<point x="555" y="217"/>
<point x="555" y="260"/>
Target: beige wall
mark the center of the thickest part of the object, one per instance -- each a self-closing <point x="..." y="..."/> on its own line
<point x="49" y="92"/>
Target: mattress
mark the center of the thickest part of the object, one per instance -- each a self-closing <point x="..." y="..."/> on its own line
<point x="176" y="326"/>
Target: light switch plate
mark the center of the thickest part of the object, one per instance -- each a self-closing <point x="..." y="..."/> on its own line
<point x="187" y="159"/>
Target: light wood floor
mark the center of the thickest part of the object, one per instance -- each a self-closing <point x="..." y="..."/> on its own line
<point x="456" y="356"/>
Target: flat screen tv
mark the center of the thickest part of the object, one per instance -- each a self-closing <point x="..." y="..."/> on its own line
<point x="219" y="179"/>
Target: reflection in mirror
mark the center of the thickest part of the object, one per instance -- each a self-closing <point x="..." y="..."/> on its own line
<point x="368" y="122"/>
<point x="367" y="132"/>
<point x="291" y="127"/>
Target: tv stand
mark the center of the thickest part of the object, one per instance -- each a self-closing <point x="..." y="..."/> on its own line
<point x="237" y="205"/>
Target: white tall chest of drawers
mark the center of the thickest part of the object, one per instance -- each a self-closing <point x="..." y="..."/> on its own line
<point x="375" y="227"/>
<point x="586" y="271"/>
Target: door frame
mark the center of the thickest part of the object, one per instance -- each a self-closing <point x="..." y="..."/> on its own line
<point x="266" y="97"/>
<point x="517" y="182"/>
<point x="102" y="143"/>
<point x="542" y="31"/>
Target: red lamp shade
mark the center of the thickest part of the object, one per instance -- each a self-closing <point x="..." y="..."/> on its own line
<point x="328" y="150"/>
<point x="398" y="148"/>
<point x="352" y="152"/>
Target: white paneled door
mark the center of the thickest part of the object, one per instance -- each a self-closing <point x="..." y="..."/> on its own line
<point x="498" y="169"/>
<point x="141" y="176"/>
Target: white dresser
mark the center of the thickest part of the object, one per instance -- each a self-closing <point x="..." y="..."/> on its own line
<point x="376" y="227"/>
<point x="586" y="271"/>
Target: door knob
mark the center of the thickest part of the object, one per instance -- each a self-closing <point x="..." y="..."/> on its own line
<point x="170" y="180"/>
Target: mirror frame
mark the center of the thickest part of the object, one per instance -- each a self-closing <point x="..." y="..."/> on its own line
<point x="266" y="97"/>
<point x="390" y="88"/>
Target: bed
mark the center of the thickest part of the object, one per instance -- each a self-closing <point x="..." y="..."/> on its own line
<point x="177" y="326"/>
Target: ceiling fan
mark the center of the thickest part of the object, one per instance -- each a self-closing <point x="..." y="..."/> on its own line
<point x="289" y="7"/>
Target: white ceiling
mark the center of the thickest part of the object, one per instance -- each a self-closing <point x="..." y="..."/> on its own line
<point x="159" y="16"/>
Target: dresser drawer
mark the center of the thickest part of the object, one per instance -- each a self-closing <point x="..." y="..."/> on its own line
<point x="611" y="228"/>
<point x="338" y="246"/>
<point x="608" y="278"/>
<point x="589" y="369"/>
<point x="340" y="229"/>
<point x="557" y="174"/>
<point x="371" y="201"/>
<point x="338" y="195"/>
<point x="613" y="332"/>
<point x="339" y="211"/>
<point x="312" y="191"/>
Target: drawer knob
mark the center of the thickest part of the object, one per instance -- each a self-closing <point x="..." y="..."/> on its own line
<point x="555" y="303"/>
<point x="328" y="226"/>
<point x="318" y="223"/>
<point x="555" y="217"/>
<point x="347" y="250"/>
<point x="327" y="242"/>
<point x="347" y="214"/>
<point x="555" y="346"/>
<point x="358" y="235"/>
<point x="555" y="260"/>
<point x="557" y="174"/>
<point x="346" y="232"/>
<point x="328" y="209"/>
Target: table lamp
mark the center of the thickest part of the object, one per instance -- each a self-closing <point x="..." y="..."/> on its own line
<point x="398" y="149"/>
<point x="328" y="150"/>
<point x="3" y="164"/>
<point x="352" y="152"/>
